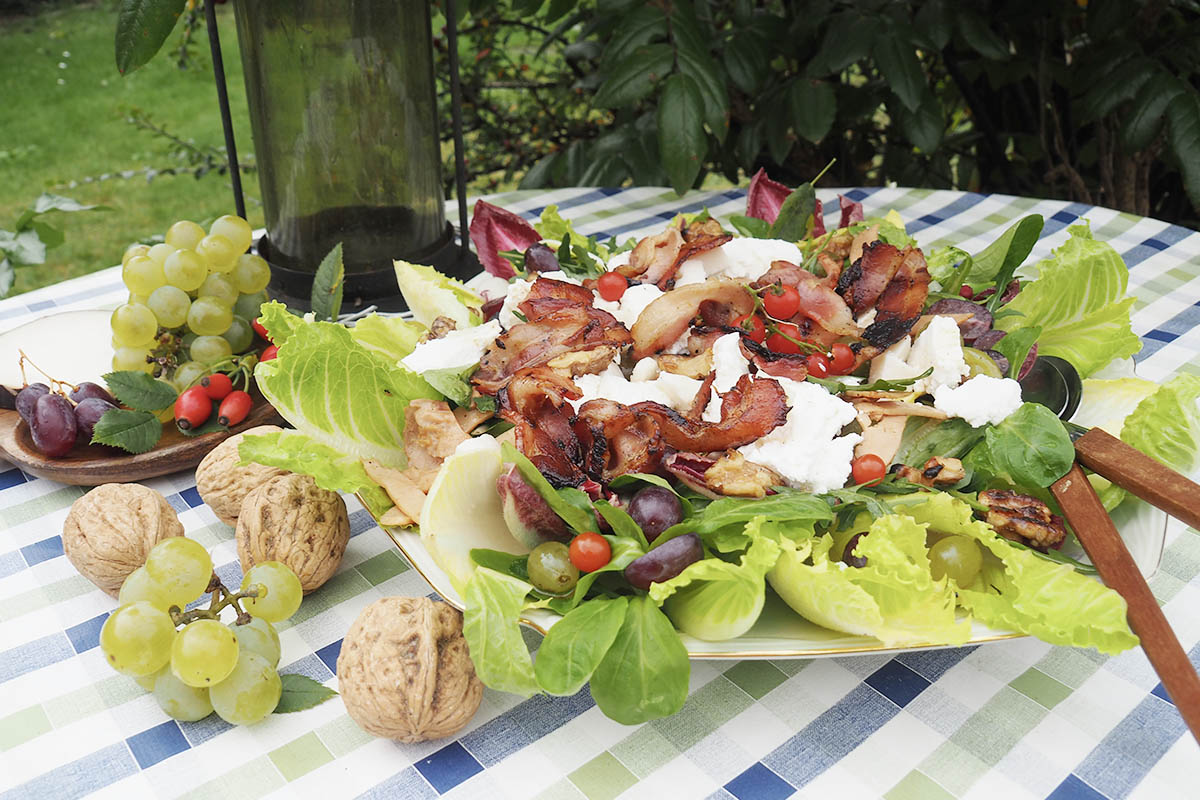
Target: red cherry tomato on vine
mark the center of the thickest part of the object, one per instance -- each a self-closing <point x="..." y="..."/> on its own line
<point x="192" y="408"/>
<point x="589" y="552"/>
<point x="611" y="286"/>
<point x="752" y="326"/>
<point x="841" y="360"/>
<point x="785" y="338"/>
<point x="868" y="469"/>
<point x="259" y="329"/>
<point x="781" y="302"/>
<point x="217" y="385"/>
<point x="270" y="352"/>
<point x="818" y="365"/>
<point x="234" y="408"/>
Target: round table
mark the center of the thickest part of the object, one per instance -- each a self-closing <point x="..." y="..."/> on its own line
<point x="1014" y="719"/>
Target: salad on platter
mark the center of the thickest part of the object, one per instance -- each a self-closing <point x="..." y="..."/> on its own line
<point x="654" y="437"/>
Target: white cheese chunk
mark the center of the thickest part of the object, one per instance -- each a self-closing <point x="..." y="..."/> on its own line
<point x="690" y="271"/>
<point x="631" y="304"/>
<point x="741" y="258"/>
<point x="674" y="391"/>
<point x="807" y="450"/>
<point x="456" y="350"/>
<point x="518" y="290"/>
<point x="488" y="285"/>
<point x="644" y="370"/>
<point x="729" y="365"/>
<point x="980" y="400"/>
<point x="939" y="347"/>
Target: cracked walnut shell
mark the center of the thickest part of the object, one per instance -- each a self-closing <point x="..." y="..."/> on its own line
<point x="404" y="671"/>
<point x="291" y="519"/>
<point x="223" y="485"/>
<point x="110" y="530"/>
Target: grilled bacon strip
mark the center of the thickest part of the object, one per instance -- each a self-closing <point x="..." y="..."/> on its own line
<point x="657" y="258"/>
<point x="616" y="440"/>
<point x="534" y="401"/>
<point x="908" y="290"/>
<point x="749" y="411"/>
<point x="865" y="280"/>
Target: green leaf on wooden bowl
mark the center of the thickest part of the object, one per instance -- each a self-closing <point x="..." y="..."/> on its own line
<point x="132" y="431"/>
<point x="139" y="391"/>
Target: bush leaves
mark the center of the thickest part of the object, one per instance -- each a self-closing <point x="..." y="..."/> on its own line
<point x="142" y="27"/>
<point x="139" y="391"/>
<point x="681" y="139"/>
<point x="328" y="284"/>
<point x="132" y="431"/>
<point x="635" y="77"/>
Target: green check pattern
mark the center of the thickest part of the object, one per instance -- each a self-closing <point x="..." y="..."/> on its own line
<point x="1017" y="719"/>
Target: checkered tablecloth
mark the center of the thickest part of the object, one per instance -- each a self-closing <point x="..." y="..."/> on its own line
<point x="1012" y="719"/>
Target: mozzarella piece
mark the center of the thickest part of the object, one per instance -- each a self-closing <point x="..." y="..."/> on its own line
<point x="457" y="349"/>
<point x="741" y="258"/>
<point x="980" y="400"/>
<point x="518" y="290"/>
<point x="939" y="347"/>
<point x="807" y="450"/>
<point x="644" y="370"/>
<point x="729" y="364"/>
<point x="673" y="391"/>
<point x="632" y="303"/>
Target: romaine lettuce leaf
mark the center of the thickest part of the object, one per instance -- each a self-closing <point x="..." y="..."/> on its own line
<point x="1166" y="425"/>
<point x="391" y="337"/>
<point x="330" y="468"/>
<point x="1079" y="301"/>
<point x="340" y="394"/>
<point x="1106" y="403"/>
<point x="279" y="322"/>
<point x="430" y="294"/>
<point x="1024" y="592"/>
<point x="717" y="600"/>
<point x="493" y="633"/>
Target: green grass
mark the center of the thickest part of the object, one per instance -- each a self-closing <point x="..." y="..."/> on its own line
<point x="58" y="132"/>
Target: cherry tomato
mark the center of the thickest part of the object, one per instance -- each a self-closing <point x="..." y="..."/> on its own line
<point x="192" y="408"/>
<point x="270" y="352"/>
<point x="259" y="329"/>
<point x="752" y="326"/>
<point x="234" y="408"/>
<point x="590" y="551"/>
<point x="818" y="365"/>
<point x="611" y="286"/>
<point x="217" y="385"/>
<point x="781" y="302"/>
<point x="841" y="359"/>
<point x="781" y="341"/>
<point x="868" y="469"/>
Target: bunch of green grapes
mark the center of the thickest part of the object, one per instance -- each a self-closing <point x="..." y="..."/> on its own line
<point x="192" y="662"/>
<point x="202" y="288"/>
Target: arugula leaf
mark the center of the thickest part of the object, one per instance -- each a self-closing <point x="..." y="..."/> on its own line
<point x="621" y="523"/>
<point x="999" y="260"/>
<point x="328" y="284"/>
<point x="493" y="632"/>
<point x="132" y="431"/>
<point x="139" y="391"/>
<point x="834" y="386"/>
<point x="576" y="644"/>
<point x="301" y="692"/>
<point x="454" y="383"/>
<point x="572" y="514"/>
<point x="644" y="674"/>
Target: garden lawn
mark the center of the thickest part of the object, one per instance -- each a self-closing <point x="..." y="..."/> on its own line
<point x="63" y="119"/>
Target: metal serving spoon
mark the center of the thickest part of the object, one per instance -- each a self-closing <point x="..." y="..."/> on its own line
<point x="1055" y="383"/>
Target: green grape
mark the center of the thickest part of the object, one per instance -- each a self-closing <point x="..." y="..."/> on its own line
<point x="249" y="694"/>
<point x="279" y="591"/>
<point x="134" y="250"/>
<point x="235" y="229"/>
<point x="133" y="325"/>
<point x="147" y="681"/>
<point x="188" y="373"/>
<point x="137" y="299"/>
<point x="220" y="288"/>
<point x="180" y="701"/>
<point x="131" y="359"/>
<point x="137" y="638"/>
<point x="210" y="349"/>
<point x="184" y="235"/>
<point x="218" y="251"/>
<point x="209" y="316"/>
<point x="170" y="305"/>
<point x="251" y="273"/>
<point x="140" y="586"/>
<point x="182" y="567"/>
<point x="185" y="269"/>
<point x="259" y="636"/>
<point x="160" y="251"/>
<point x="142" y="275"/>
<point x="204" y="653"/>
<point x="240" y="335"/>
<point x="956" y="556"/>
<point x="249" y="306"/>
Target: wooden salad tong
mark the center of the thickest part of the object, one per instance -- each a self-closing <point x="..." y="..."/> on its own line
<point x="1164" y="488"/>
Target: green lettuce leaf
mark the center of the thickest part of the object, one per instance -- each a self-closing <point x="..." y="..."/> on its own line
<point x="554" y="227"/>
<point x="575" y="645"/>
<point x="331" y="469"/>
<point x="1030" y="448"/>
<point x="1106" y="403"/>
<point x="1024" y="592"/>
<point x="391" y="337"/>
<point x="1166" y="425"/>
<point x="430" y="294"/>
<point x="716" y="600"/>
<point x="644" y="674"/>
<point x="340" y="394"/>
<point x="279" y="322"/>
<point x="722" y="523"/>
<point x="1079" y="302"/>
<point x="455" y="384"/>
<point x="493" y="633"/>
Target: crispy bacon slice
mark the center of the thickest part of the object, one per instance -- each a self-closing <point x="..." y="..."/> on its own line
<point x="749" y="411"/>
<point x="657" y="258"/>
<point x="534" y="401"/>
<point x="616" y="440"/>
<point x="867" y="278"/>
<point x="700" y="401"/>
<point x="667" y="317"/>
<point x="908" y="290"/>
<point x="549" y="289"/>
<point x="779" y="365"/>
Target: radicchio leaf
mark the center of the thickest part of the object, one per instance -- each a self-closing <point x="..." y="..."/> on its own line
<point x="495" y="230"/>
<point x="765" y="197"/>
<point x="852" y="210"/>
<point x="818" y="228"/>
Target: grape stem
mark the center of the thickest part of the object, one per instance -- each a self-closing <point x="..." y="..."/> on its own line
<point x="56" y="385"/>
<point x="221" y="598"/>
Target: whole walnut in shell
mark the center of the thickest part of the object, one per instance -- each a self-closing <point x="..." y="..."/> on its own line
<point x="404" y="671"/>
<point x="110" y="530"/>
<point x="291" y="519"/>
<point x="223" y="485"/>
